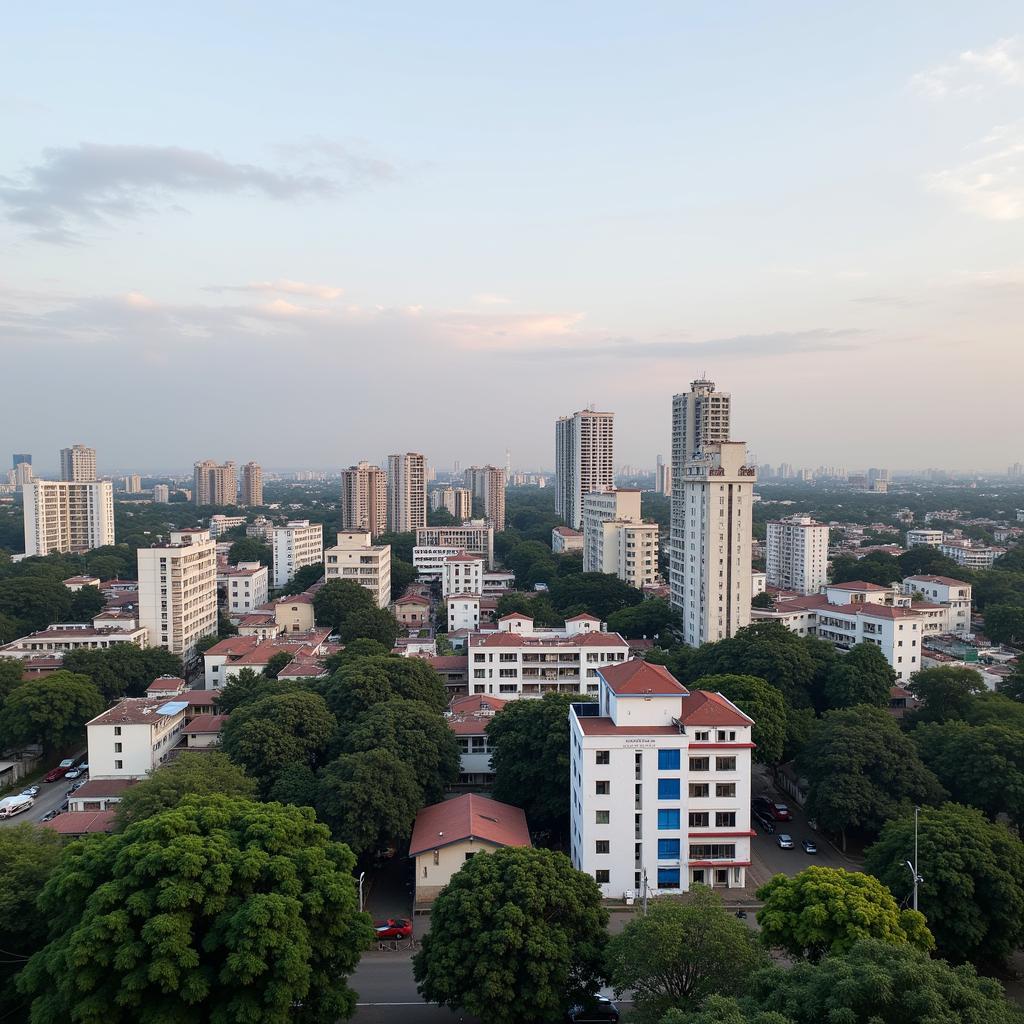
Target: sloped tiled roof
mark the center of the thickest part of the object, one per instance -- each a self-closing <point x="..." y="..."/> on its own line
<point x="465" y="817"/>
<point x="635" y="677"/>
<point x="703" y="707"/>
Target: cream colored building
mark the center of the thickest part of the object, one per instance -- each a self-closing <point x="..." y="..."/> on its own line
<point x="364" y="499"/>
<point x="161" y="493"/>
<point x="407" y="492"/>
<point x="62" y="516"/>
<point x="487" y="484"/>
<point x="214" y="484"/>
<point x="178" y="591"/>
<point x="565" y="539"/>
<point x="355" y="557"/>
<point x="296" y="544"/>
<point x="78" y="463"/>
<point x="252" y="484"/>
<point x="616" y="540"/>
<point x="456" y="501"/>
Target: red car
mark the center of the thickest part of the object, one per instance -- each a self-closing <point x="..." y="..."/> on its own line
<point x="780" y="812"/>
<point x="393" y="928"/>
<point x="60" y="771"/>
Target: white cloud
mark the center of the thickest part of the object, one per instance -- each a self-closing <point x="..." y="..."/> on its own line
<point x="991" y="185"/>
<point x="973" y="71"/>
<point x="283" y="286"/>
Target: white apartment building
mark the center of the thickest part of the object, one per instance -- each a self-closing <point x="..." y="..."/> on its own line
<point x="135" y="736"/>
<point x="616" y="540"/>
<point x="214" y="484"/>
<point x="797" y="554"/>
<point x="971" y="556"/>
<point x="364" y="499"/>
<point x="584" y="461"/>
<point x="565" y="539"/>
<point x="62" y="516"/>
<point x="61" y="637"/>
<point x="520" y="660"/>
<point x="468" y="718"/>
<point x="463" y="611"/>
<point x="78" y="463"/>
<point x="178" y="591"/>
<point x="924" y="537"/>
<point x="474" y="537"/>
<point x="487" y="485"/>
<point x="161" y="493"/>
<point x="498" y="582"/>
<point x="262" y="529"/>
<point x="953" y="595"/>
<point x="252" y="484"/>
<point x="247" y="586"/>
<point x="355" y="557"/>
<point x="296" y="544"/>
<point x="712" y="574"/>
<point x="456" y="501"/>
<point x="220" y="523"/>
<point x="660" y="785"/>
<point x="407" y="492"/>
<point x="758" y="583"/>
<point x="462" y="573"/>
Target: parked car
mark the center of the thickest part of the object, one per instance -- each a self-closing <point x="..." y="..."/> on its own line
<point x="809" y="846"/>
<point x="49" y="815"/>
<point x="780" y="812"/>
<point x="393" y="928"/>
<point x="596" y="1010"/>
<point x="31" y="791"/>
<point x="60" y="771"/>
<point x="77" y="771"/>
<point x="12" y="805"/>
<point x="761" y="804"/>
<point x="765" y="822"/>
<point x="785" y="841"/>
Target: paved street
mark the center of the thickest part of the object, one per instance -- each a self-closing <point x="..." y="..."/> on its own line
<point x="51" y="796"/>
<point x="387" y="993"/>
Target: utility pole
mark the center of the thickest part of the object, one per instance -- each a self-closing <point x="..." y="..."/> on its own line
<point x="913" y="867"/>
<point x="643" y="894"/>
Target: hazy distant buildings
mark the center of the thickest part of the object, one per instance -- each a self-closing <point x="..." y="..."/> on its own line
<point x="487" y="484"/>
<point x="78" y="463"/>
<point x="20" y="458"/>
<point x="252" y="484"/>
<point x="407" y="492"/>
<point x="797" y="554"/>
<point x="355" y="557"/>
<point x="132" y="484"/>
<point x="214" y="484"/>
<point x="584" y="461"/>
<point x="924" y="537"/>
<point x="456" y="501"/>
<point x="616" y="540"/>
<point x="364" y="499"/>
<point x="663" y="477"/>
<point x="161" y="493"/>
<point x="296" y="544"/>
<point x="63" y="516"/>
<point x="971" y="556"/>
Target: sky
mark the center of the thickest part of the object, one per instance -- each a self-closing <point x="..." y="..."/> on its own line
<point x="319" y="232"/>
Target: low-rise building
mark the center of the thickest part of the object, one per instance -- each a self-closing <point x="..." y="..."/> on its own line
<point x="355" y="557"/>
<point x="454" y="672"/>
<point x="134" y="737"/>
<point x="463" y="612"/>
<point x="971" y="556"/>
<point x="203" y="731"/>
<point x="468" y="718"/>
<point x="107" y="630"/>
<point x="99" y="795"/>
<point x="220" y="524"/>
<point x="924" y="538"/>
<point x="952" y="595"/>
<point x="234" y="653"/>
<point x="565" y="539"/>
<point x="498" y="582"/>
<point x="758" y="583"/>
<point x="412" y="611"/>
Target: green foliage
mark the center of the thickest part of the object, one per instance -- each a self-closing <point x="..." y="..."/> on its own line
<point x="402" y="574"/>
<point x="10" y="676"/>
<point x="538" y="607"/>
<point x="51" y="710"/>
<point x="597" y="593"/>
<point x="995" y="709"/>
<point x="973" y="888"/>
<point x="946" y="692"/>
<point x="876" y="568"/>
<point x="1004" y="624"/>
<point x="85" y="604"/>
<point x="218" y="910"/>
<point x="863" y="770"/>
<point x="862" y="676"/>
<point x="249" y="549"/>
<point x="190" y="774"/>
<point x="35" y="601"/>
<point x="336" y="600"/>
<point x="248" y="685"/>
<point x="724" y="1010"/>
<point x="370" y="624"/>
<point x="924" y="560"/>
<point x="516" y="935"/>
<point x="763" y="703"/>
<point x="762" y="600"/>
<point x="677" y="954"/>
<point x="295" y="785"/>
<point x="275" y="663"/>
<point x="401" y="544"/>
<point x="647" y="619"/>
<point x="124" y="669"/>
<point x="823" y="911"/>
<point x="303" y="579"/>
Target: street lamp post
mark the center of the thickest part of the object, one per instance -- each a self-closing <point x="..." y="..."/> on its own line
<point x="362" y="875"/>
<point x="913" y="867"/>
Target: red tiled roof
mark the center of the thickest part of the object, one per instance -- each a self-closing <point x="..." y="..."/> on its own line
<point x="857" y="585"/>
<point x="516" y="615"/>
<point x="166" y="683"/>
<point x="200" y="698"/>
<point x="234" y="645"/>
<point x="703" y="707"/>
<point x="464" y="556"/>
<point x="206" y="724"/>
<point x="636" y="677"/>
<point x="448" y="661"/>
<point x="567" y="531"/>
<point x="102" y="787"/>
<point x="468" y="716"/>
<point x="78" y="823"/>
<point x="944" y="580"/>
<point x="412" y="599"/>
<point x="583" y="615"/>
<point x="469" y="817"/>
<point x="606" y="727"/>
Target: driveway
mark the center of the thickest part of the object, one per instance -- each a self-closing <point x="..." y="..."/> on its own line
<point x="51" y="796"/>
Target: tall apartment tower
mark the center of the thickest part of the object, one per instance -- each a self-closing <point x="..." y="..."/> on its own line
<point x="487" y="484"/>
<point x="64" y="516"/>
<point x="364" y="499"/>
<point x="178" y="591"/>
<point x="295" y="545"/>
<point x="663" y="477"/>
<point x="78" y="463"/>
<point x="584" y="461"/>
<point x="797" y="554"/>
<point x="456" y="501"/>
<point x="407" y="492"/>
<point x="19" y="458"/>
<point x="214" y="484"/>
<point x="711" y="578"/>
<point x="252" y="484"/>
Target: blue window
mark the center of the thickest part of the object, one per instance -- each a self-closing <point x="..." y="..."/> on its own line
<point x="668" y="878"/>
<point x="668" y="760"/>
<point x="668" y="819"/>
<point x="668" y="849"/>
<point x="668" y="789"/>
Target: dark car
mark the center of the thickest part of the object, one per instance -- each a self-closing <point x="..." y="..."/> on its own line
<point x="393" y="928"/>
<point x="596" y="1010"/>
<point x="780" y="812"/>
<point x="810" y="846"/>
<point x="766" y="823"/>
<point x="60" y="771"/>
<point x="761" y="804"/>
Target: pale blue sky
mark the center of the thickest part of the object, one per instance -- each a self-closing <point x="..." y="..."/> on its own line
<point x="315" y="232"/>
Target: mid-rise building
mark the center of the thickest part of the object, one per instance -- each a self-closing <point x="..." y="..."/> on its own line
<point x="296" y="544"/>
<point x="797" y="554"/>
<point x="178" y="591"/>
<point x="971" y="556"/>
<point x="355" y="557"/>
<point x="487" y="485"/>
<point x="584" y="461"/>
<point x="565" y="539"/>
<point x="463" y="612"/>
<point x="78" y="463"/>
<point x="161" y="493"/>
<point x="364" y="499"/>
<point x="220" y="523"/>
<point x="616" y="540"/>
<point x="462" y="573"/>
<point x="246" y="587"/>
<point x="22" y="474"/>
<point x="468" y="717"/>
<point x="107" y="630"/>
<point x="134" y="737"/>
<point x="132" y="484"/>
<point x="67" y="516"/>
<point x="925" y="538"/>
<point x="407" y="492"/>
<point x="954" y="595"/>
<point x="252" y="484"/>
<point x="456" y="501"/>
<point x="660" y="785"/>
<point x="711" y="574"/>
<point x="436" y="543"/>
<point x="262" y="529"/>
<point x="214" y="484"/>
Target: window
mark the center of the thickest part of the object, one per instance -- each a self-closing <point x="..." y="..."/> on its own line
<point x="668" y="789"/>
<point x="700" y="764"/>
<point x="602" y="877"/>
<point x="602" y="757"/>
<point x="602" y="817"/>
<point x="668" y="760"/>
<point x="699" y="790"/>
<point x="668" y="819"/>
<point x="699" y="819"/>
<point x="712" y="851"/>
<point x="602" y="788"/>
<point x="117" y="748"/>
<point x="119" y="764"/>
<point x="725" y="819"/>
<point x="668" y="849"/>
<point x="725" y="764"/>
<point x="725" y="789"/>
<point x="701" y="737"/>
<point x="726" y="736"/>
<point x="117" y="730"/>
<point x="668" y="878"/>
<point x="602" y="846"/>
<point x="470" y="856"/>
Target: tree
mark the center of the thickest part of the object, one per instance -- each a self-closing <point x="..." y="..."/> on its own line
<point x="51" y="710"/>
<point x="249" y="549"/>
<point x="124" y="669"/>
<point x="824" y="911"/>
<point x="521" y="557"/>
<point x="990" y="708"/>
<point x="530" y="757"/>
<point x="862" y="676"/>
<point x="863" y="770"/>
<point x="677" y="954"/>
<point x="247" y="685"/>
<point x="944" y="692"/>
<point x="923" y="560"/>
<point x="763" y="600"/>
<point x="647" y="619"/>
<point x="596" y="593"/>
<point x="538" y="607"/>
<point x="402" y="574"/>
<point x="724" y="1010"/>
<point x="516" y="935"/>
<point x="191" y="774"/>
<point x="11" y="672"/>
<point x="979" y="765"/>
<point x="35" y="600"/>
<point x="267" y="930"/>
<point x="303" y="579"/>
<point x="1013" y="685"/>
<point x="1004" y="624"/>
<point x="336" y="600"/>
<point x="276" y="663"/>
<point x="86" y="603"/>
<point x="763" y="703"/>
<point x="371" y="624"/>
<point x="973" y="887"/>
<point x="877" y="567"/>
<point x="414" y="679"/>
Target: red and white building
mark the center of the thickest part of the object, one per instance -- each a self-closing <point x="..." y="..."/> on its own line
<point x="468" y="718"/>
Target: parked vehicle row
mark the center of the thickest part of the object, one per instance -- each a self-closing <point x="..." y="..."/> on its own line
<point x="12" y="805"/>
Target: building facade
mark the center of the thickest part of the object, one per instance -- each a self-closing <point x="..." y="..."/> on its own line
<point x="487" y="485"/>
<point x="475" y="537"/>
<point x="797" y="554"/>
<point x="296" y="544"/>
<point x="616" y="540"/>
<point x="246" y="586"/>
<point x="407" y="492"/>
<point x="134" y="737"/>
<point x="161" y="493"/>
<point x="456" y="501"/>
<point x="954" y="595"/>
<point x="462" y="573"/>
<point x="565" y="539"/>
<point x="355" y="557"/>
<point x="62" y="516"/>
<point x="925" y="537"/>
<point x="364" y="499"/>
<point x="584" y="461"/>
<point x="78" y="463"/>
<point x="252" y="484"/>
<point x="971" y="556"/>
<point x="214" y="484"/>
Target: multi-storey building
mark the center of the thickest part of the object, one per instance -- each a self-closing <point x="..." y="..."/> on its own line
<point x="663" y="477"/>
<point x="953" y="595"/>
<point x="246" y="587"/>
<point x="252" y="484"/>
<point x="456" y="501"/>
<point x="584" y="461"/>
<point x="62" y="516"/>
<point x="134" y="737"/>
<point x="132" y="484"/>
<point x="355" y="557"/>
<point x="462" y="573"/>
<point x="296" y="544"/>
<point x="262" y="529"/>
<point x="564" y="539"/>
<point x="178" y="591"/>
<point x="468" y="718"/>
<point x="971" y="556"/>
<point x="435" y="543"/>
<point x="487" y="485"/>
<point x="925" y="538"/>
<point x="106" y="631"/>
<point x="712" y="574"/>
<point x="214" y="484"/>
<point x="616" y="540"/>
<point x="797" y="554"/>
<point x="407" y="492"/>
<point x="161" y="493"/>
<point x="220" y="523"/>
<point x="659" y="785"/>
<point x="78" y="463"/>
<point x="463" y="612"/>
<point x="364" y="499"/>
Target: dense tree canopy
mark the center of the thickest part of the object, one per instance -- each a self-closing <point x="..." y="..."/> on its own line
<point x="11" y="671"/>
<point x="249" y="549"/>
<point x="862" y="676"/>
<point x="945" y="692"/>
<point x="124" y="670"/>
<point x="647" y="619"/>
<point x="51" y="710"/>
<point x="1004" y="623"/>
<point x="877" y="567"/>
<point x="596" y="593"/>
<point x="303" y="579"/>
<point x="336" y="600"/>
<point x="35" y="601"/>
<point x="370" y="624"/>
<point x="763" y="703"/>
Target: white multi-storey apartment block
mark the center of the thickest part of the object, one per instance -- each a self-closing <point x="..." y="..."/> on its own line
<point x="364" y="499"/>
<point x="220" y="523"/>
<point x="297" y="544"/>
<point x="246" y="587"/>
<point x="924" y="537"/>
<point x="463" y="612"/>
<point x="584" y="461"/>
<point x="659" y="785"/>
<point x="407" y="492"/>
<point x="462" y="574"/>
<point x="953" y="595"/>
<point x="62" y="516"/>
<point x="971" y="556"/>
<point x="475" y="537"/>
<point x="161" y="493"/>
<point x="616" y="540"/>
<point x="797" y="554"/>
<point x="355" y="557"/>
<point x="135" y="736"/>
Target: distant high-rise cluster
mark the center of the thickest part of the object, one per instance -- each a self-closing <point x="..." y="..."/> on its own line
<point x="252" y="484"/>
<point x="364" y="499"/>
<point x="456" y="501"/>
<point x="407" y="492"/>
<point x="214" y="483"/>
<point x="132" y="484"/>
<point x="78" y="463"/>
<point x="487" y="485"/>
<point x="584" y="461"/>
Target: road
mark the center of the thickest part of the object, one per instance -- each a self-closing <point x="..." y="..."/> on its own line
<point x="51" y="796"/>
<point x="387" y="993"/>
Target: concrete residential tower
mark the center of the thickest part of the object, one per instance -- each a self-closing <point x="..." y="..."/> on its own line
<point x="364" y="499"/>
<point x="252" y="484"/>
<point x="67" y="516"/>
<point x="407" y="492"/>
<point x="584" y="461"/>
<point x="797" y="554"/>
<point x="616" y="540"/>
<point x="78" y="463"/>
<point x="487" y="484"/>
<point x="214" y="484"/>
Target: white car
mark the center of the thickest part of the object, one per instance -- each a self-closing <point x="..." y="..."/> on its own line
<point x="74" y="773"/>
<point x="785" y="841"/>
<point x="31" y="791"/>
